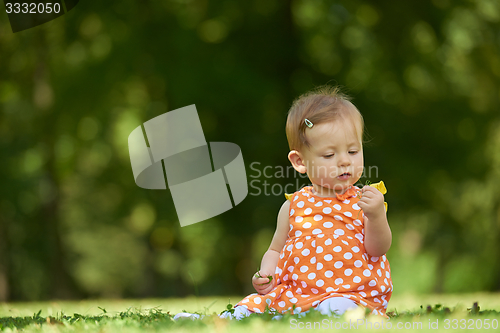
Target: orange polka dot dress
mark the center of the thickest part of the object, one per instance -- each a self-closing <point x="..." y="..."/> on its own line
<point x="324" y="257"/>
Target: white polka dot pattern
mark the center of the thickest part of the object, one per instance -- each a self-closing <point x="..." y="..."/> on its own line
<point x="324" y="256"/>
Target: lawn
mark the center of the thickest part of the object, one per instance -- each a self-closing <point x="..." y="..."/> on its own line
<point x="410" y="312"/>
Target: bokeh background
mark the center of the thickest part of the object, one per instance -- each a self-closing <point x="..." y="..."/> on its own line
<point x="73" y="224"/>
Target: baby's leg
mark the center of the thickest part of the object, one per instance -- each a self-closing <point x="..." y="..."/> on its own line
<point x="335" y="305"/>
<point x="240" y="312"/>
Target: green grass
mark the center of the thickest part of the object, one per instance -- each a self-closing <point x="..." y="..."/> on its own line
<point x="156" y="315"/>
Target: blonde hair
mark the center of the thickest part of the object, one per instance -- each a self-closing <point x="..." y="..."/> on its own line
<point x="323" y="104"/>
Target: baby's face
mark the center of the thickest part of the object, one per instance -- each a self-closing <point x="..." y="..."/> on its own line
<point x="334" y="160"/>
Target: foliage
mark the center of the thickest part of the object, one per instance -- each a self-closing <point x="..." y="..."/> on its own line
<point x="73" y="224"/>
<point x="154" y="319"/>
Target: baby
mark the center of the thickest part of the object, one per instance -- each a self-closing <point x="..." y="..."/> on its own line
<point x="328" y="251"/>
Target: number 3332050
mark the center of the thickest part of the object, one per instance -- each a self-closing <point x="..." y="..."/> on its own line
<point x="32" y="8"/>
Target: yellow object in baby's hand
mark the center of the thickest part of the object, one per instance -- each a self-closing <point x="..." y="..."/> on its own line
<point x="381" y="187"/>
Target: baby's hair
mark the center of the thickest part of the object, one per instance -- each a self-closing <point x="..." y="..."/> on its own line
<point x="323" y="104"/>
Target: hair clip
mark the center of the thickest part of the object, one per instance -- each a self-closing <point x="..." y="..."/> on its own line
<point x="308" y="123"/>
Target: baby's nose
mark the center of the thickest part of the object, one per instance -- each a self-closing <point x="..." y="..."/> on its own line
<point x="344" y="159"/>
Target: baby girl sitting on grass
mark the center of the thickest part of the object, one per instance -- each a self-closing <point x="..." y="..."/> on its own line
<point x="328" y="251"/>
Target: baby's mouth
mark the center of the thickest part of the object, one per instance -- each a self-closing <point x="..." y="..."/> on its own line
<point x="345" y="175"/>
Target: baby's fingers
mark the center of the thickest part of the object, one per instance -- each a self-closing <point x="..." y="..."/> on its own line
<point x="362" y="203"/>
<point x="268" y="287"/>
<point x="266" y="290"/>
<point x="262" y="281"/>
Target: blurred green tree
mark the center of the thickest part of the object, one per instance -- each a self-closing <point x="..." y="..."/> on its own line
<point x="73" y="223"/>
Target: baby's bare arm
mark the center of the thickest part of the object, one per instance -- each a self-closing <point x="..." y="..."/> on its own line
<point x="378" y="236"/>
<point x="271" y="257"/>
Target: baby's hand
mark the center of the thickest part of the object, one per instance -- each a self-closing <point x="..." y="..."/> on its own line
<point x="263" y="282"/>
<point x="372" y="202"/>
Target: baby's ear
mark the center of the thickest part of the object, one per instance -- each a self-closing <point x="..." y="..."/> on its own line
<point x="297" y="162"/>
